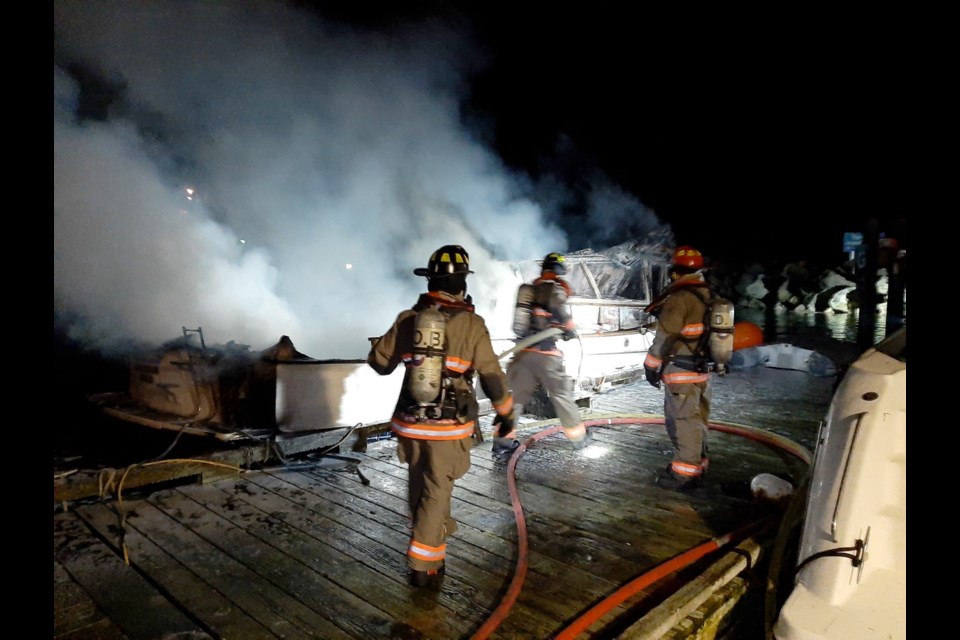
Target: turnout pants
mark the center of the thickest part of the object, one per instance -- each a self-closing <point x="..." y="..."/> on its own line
<point x="530" y="368"/>
<point x="686" y="411"/>
<point x="432" y="467"/>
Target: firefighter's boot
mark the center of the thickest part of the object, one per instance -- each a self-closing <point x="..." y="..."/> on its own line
<point x="667" y="479"/>
<point x="431" y="579"/>
<point x="504" y="447"/>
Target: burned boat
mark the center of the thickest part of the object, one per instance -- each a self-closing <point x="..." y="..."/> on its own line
<point x="278" y="395"/>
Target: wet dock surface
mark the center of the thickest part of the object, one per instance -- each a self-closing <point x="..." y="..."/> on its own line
<point x="319" y="551"/>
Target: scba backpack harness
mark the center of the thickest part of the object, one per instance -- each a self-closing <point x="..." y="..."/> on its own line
<point x="714" y="347"/>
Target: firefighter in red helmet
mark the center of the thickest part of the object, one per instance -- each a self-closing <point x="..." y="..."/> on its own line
<point x="673" y="359"/>
<point x="686" y="257"/>
<point x="443" y="344"/>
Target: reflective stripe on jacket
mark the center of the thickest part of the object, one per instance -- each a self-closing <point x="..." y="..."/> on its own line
<point x="432" y="429"/>
<point x="672" y="376"/>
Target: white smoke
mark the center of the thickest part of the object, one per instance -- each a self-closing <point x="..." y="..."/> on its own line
<point x="327" y="164"/>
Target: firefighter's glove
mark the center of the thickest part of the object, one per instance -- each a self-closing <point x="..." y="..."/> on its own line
<point x="504" y="425"/>
<point x="653" y="376"/>
<point x="569" y="334"/>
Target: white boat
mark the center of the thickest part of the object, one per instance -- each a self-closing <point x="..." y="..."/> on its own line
<point x="850" y="577"/>
<point x="611" y="290"/>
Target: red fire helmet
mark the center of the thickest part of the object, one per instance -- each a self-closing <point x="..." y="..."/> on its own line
<point x="687" y="257"/>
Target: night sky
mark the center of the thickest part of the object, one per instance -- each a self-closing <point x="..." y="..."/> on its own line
<point x="756" y="133"/>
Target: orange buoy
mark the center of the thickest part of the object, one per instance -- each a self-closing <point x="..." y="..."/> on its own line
<point x="746" y="334"/>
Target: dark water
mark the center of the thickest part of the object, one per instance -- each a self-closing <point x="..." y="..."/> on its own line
<point x="845" y="328"/>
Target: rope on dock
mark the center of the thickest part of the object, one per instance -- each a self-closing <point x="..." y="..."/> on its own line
<point x="122" y="512"/>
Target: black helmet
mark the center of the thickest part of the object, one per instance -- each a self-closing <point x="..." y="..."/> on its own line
<point x="446" y="261"/>
<point x="555" y="262"/>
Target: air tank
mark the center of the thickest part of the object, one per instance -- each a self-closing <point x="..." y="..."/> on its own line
<point x="721" y="333"/>
<point x="424" y="379"/>
<point x="521" y="313"/>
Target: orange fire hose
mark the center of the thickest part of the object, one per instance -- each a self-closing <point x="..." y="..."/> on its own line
<point x="624" y="593"/>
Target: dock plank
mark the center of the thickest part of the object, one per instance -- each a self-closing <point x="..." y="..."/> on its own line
<point x="474" y="576"/>
<point x="75" y="614"/>
<point x="134" y="607"/>
<point x="475" y="541"/>
<point x="226" y="596"/>
<point x="295" y="591"/>
<point x="348" y="561"/>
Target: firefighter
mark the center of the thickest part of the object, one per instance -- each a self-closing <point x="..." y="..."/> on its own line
<point x="442" y="343"/>
<point x="542" y="363"/>
<point x="675" y="359"/>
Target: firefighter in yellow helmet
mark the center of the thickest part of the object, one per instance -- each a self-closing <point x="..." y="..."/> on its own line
<point x="443" y="344"/>
<point x="673" y="359"/>
<point x="541" y="364"/>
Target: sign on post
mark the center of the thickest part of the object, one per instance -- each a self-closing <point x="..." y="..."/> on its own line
<point x="852" y="241"/>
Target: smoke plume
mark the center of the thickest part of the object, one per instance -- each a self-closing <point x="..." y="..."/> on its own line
<point x="252" y="170"/>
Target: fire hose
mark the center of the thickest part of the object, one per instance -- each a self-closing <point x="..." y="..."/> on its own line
<point x="529" y="340"/>
<point x="658" y="572"/>
<point x="552" y="332"/>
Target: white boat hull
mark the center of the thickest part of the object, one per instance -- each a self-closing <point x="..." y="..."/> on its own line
<point x="857" y="502"/>
<point x="595" y="359"/>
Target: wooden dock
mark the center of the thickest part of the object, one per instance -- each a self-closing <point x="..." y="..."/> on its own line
<point x="319" y="552"/>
